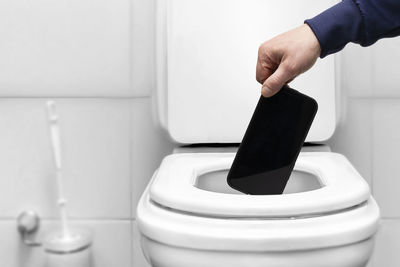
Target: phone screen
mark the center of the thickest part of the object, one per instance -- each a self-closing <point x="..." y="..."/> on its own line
<point x="272" y="142"/>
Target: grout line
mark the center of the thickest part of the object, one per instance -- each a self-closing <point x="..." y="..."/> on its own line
<point x="131" y="178"/>
<point x="386" y="218"/>
<point x="372" y="131"/>
<point x="74" y="97"/>
<point x="381" y="97"/>
<point x="131" y="255"/>
<point x="72" y="219"/>
<point x="130" y="52"/>
<point x="371" y="104"/>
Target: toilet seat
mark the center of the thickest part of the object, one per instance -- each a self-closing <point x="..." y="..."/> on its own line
<point x="173" y="212"/>
<point x="173" y="187"/>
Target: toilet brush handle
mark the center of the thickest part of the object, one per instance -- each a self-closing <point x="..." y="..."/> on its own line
<point x="56" y="147"/>
<point x="54" y="133"/>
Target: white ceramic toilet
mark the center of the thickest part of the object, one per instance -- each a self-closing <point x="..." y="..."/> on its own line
<point x="205" y="95"/>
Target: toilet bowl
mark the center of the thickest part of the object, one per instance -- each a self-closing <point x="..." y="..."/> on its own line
<point x="204" y="96"/>
<point x="189" y="217"/>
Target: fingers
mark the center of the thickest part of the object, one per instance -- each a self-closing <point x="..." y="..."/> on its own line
<point x="274" y="83"/>
<point x="284" y="57"/>
<point x="262" y="72"/>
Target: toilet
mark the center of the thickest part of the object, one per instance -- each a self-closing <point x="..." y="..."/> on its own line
<point x="204" y="98"/>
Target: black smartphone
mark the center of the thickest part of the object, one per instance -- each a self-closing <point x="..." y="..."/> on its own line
<point x="272" y="143"/>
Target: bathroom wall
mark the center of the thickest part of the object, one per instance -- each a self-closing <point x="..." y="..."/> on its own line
<point x="95" y="60"/>
<point x="369" y="134"/>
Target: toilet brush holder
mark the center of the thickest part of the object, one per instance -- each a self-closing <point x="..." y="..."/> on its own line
<point x="72" y="250"/>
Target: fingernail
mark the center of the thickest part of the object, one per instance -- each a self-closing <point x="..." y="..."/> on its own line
<point x="266" y="92"/>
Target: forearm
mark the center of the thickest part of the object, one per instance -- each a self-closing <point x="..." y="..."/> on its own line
<point x="359" y="21"/>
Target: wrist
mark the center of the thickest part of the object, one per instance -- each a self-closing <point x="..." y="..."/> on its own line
<point x="313" y="40"/>
<point x="337" y="26"/>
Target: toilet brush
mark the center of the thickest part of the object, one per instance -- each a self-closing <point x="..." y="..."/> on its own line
<point x="56" y="147"/>
<point x="68" y="247"/>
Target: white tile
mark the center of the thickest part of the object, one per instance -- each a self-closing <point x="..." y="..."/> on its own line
<point x="386" y="67"/>
<point x="149" y="146"/>
<point x="95" y="139"/>
<point x="387" y="245"/>
<point x="13" y="253"/>
<point x="138" y="257"/>
<point x="386" y="147"/>
<point x="65" y="48"/>
<point x="143" y="76"/>
<point x="353" y="136"/>
<point x="356" y="68"/>
<point x="111" y="244"/>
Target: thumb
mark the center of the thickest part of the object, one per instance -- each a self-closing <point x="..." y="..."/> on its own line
<point x="274" y="83"/>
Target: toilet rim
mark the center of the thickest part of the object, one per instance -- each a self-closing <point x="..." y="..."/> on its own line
<point x="261" y="234"/>
<point x="173" y="187"/>
<point x="221" y="166"/>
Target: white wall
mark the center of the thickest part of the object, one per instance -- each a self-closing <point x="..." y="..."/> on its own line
<point x="95" y="59"/>
<point x="370" y="133"/>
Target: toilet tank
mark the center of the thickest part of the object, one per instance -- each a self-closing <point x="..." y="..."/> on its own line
<point x="206" y="54"/>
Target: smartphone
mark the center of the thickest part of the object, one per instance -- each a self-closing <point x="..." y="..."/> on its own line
<point x="272" y="143"/>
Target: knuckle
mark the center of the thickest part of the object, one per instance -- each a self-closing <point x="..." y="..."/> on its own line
<point x="259" y="78"/>
<point x="263" y="48"/>
<point x="260" y="53"/>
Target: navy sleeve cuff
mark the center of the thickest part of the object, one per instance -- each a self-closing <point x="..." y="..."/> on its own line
<point x="337" y="26"/>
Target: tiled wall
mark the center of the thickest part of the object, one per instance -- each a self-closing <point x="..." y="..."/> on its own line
<point x="95" y="60"/>
<point x="369" y="135"/>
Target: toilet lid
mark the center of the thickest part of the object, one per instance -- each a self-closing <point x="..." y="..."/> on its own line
<point x="173" y="186"/>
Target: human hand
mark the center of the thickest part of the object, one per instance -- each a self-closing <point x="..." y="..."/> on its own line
<point x="284" y="57"/>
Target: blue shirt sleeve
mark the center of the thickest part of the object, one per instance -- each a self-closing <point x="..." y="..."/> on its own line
<point x="358" y="21"/>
